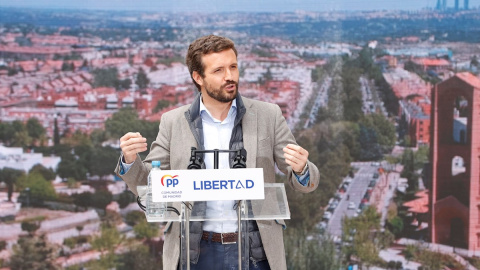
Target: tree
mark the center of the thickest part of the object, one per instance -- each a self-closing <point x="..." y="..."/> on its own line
<point x="40" y="189"/>
<point x="7" y="132"/>
<point x="21" y="139"/>
<point x="363" y="232"/>
<point x="121" y="122"/>
<point x="142" y="80"/>
<point x="315" y="253"/>
<point x="112" y="218"/>
<point x="98" y="136"/>
<point x="134" y="217"/>
<point x="56" y="132"/>
<point x="48" y="174"/>
<point x="139" y="258"/>
<point x="83" y="199"/>
<point x="385" y="130"/>
<point x="10" y="177"/>
<point x="30" y="227"/>
<point x="474" y="62"/>
<point x="395" y="225"/>
<point x="146" y="230"/>
<point x="161" y="104"/>
<point x="70" y="166"/>
<point x="101" y="160"/>
<point x="101" y="198"/>
<point x="35" y="129"/>
<point x="34" y="253"/>
<point x="368" y="141"/>
<point x="108" y="240"/>
<point x="125" y="198"/>
<point x="105" y="77"/>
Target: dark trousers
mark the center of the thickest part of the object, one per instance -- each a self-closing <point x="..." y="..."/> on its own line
<point x="215" y="256"/>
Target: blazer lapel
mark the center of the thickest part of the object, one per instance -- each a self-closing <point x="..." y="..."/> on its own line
<point x="249" y="127"/>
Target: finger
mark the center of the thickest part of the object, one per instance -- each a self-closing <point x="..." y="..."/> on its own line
<point x="294" y="147"/>
<point x="296" y="151"/>
<point x="133" y="140"/>
<point x="130" y="151"/>
<point x="293" y="159"/>
<point x="130" y="135"/>
<point x="295" y="167"/>
<point x="135" y="148"/>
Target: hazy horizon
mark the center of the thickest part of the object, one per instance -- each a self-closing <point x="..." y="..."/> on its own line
<point x="234" y="6"/>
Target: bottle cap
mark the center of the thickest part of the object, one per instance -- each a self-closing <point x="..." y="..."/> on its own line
<point x="156" y="163"/>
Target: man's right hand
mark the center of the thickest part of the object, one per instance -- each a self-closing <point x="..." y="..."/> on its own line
<point x="131" y="144"/>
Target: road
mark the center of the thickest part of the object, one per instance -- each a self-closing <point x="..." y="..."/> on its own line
<point x="355" y="191"/>
<point x="320" y="101"/>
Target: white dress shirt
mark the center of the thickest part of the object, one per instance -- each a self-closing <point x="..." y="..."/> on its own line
<point x="216" y="135"/>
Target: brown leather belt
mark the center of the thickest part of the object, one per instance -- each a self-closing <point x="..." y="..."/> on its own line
<point x="224" y="238"/>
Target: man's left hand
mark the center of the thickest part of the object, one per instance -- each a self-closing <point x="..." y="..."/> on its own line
<point x="296" y="157"/>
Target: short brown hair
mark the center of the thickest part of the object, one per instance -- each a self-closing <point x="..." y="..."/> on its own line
<point x="203" y="46"/>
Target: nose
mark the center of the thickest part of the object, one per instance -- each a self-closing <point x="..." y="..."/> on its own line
<point x="228" y="75"/>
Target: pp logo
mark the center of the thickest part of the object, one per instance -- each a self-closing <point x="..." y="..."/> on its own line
<point x="171" y="181"/>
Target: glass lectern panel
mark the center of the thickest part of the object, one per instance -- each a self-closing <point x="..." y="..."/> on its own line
<point x="235" y="214"/>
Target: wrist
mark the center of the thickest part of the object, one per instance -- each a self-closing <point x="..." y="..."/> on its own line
<point x="304" y="171"/>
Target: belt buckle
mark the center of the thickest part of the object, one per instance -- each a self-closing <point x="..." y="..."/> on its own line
<point x="226" y="243"/>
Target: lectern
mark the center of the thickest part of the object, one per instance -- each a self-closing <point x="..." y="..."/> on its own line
<point x="274" y="206"/>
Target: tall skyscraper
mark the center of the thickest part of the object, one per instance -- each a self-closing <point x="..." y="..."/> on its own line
<point x="439" y="5"/>
<point x="454" y="154"/>
<point x="444" y="5"/>
<point x="465" y="4"/>
<point x="457" y="4"/>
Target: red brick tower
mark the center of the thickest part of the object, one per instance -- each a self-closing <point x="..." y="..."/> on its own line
<point x="455" y="156"/>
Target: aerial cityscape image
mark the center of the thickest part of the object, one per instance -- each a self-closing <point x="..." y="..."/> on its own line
<point x="384" y="95"/>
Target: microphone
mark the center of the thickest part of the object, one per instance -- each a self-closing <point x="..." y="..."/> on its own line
<point x="240" y="159"/>
<point x="195" y="162"/>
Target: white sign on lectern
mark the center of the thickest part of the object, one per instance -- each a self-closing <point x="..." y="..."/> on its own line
<point x="207" y="185"/>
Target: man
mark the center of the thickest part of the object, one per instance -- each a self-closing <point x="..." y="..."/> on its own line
<point x="220" y="118"/>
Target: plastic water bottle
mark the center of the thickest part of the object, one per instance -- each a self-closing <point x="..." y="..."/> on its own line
<point x="154" y="209"/>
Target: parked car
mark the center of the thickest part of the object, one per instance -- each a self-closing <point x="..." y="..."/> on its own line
<point x="352" y="205"/>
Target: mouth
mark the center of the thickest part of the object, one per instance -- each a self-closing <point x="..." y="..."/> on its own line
<point x="230" y="87"/>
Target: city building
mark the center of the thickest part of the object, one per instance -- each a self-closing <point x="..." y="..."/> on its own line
<point x="455" y="150"/>
<point x="16" y="158"/>
<point x="415" y="119"/>
<point x="405" y="83"/>
<point x="429" y="64"/>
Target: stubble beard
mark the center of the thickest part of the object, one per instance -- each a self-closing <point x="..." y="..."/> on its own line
<point x="220" y="95"/>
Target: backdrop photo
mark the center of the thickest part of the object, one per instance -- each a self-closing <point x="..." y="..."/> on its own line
<point x="384" y="95"/>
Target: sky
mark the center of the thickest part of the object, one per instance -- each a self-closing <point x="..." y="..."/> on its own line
<point x="232" y="5"/>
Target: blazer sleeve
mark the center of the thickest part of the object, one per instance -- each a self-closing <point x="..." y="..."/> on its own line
<point x="160" y="150"/>
<point x="284" y="136"/>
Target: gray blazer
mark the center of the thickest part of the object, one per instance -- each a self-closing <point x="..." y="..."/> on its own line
<point x="265" y="134"/>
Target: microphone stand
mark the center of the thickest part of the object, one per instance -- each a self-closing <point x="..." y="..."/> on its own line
<point x="196" y="163"/>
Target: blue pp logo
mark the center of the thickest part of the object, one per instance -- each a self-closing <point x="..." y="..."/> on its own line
<point x="169" y="181"/>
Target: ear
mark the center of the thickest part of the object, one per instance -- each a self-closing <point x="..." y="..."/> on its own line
<point x="198" y="79"/>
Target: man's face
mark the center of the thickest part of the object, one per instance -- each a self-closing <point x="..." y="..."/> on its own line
<point x="221" y="76"/>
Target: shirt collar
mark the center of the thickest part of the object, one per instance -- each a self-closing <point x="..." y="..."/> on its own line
<point x="204" y="109"/>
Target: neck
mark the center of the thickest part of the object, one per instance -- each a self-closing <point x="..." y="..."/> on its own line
<point x="219" y="110"/>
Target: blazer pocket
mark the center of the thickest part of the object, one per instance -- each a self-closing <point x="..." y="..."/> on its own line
<point x="264" y="142"/>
